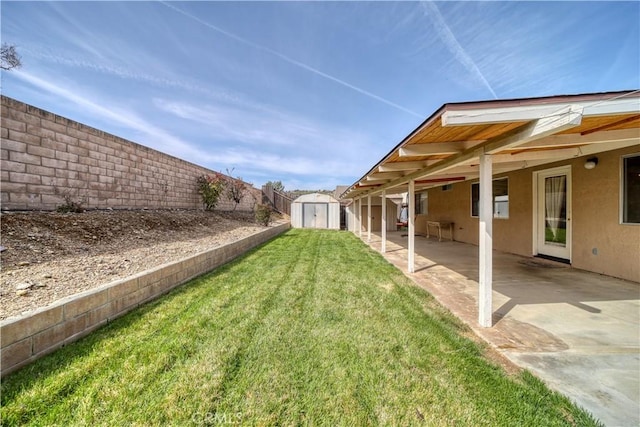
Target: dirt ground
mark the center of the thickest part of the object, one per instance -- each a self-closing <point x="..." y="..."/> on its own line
<point x="48" y="255"/>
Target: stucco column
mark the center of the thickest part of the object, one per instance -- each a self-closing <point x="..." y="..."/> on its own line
<point x="383" y="197"/>
<point x="412" y="234"/>
<point x="486" y="242"/>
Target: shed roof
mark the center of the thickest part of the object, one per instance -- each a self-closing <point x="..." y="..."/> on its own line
<point x="315" y="198"/>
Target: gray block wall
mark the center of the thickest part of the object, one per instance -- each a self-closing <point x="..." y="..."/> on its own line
<point x="45" y="157"/>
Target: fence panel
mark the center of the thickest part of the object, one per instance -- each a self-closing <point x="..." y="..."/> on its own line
<point x="277" y="200"/>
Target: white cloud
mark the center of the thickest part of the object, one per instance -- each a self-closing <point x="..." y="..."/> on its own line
<point x="264" y="139"/>
<point x="128" y="73"/>
<point x="164" y="141"/>
<point x="311" y="152"/>
<point x="261" y="126"/>
<point x="292" y="61"/>
<point x="453" y="45"/>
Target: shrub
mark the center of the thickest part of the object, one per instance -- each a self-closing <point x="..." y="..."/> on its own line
<point x="70" y="205"/>
<point x="210" y="187"/>
<point x="263" y="214"/>
<point x="236" y="189"/>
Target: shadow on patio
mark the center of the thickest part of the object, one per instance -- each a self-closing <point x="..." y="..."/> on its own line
<point x="578" y="331"/>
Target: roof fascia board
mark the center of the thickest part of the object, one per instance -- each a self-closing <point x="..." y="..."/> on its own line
<point x="534" y="112"/>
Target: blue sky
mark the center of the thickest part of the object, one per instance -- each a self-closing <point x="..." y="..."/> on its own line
<point x="309" y="93"/>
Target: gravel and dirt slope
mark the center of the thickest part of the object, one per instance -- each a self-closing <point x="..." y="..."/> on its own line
<point x="49" y="255"/>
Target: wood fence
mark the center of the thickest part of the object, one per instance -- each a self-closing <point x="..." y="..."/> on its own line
<point x="277" y="200"/>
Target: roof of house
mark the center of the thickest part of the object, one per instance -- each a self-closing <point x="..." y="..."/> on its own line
<point x="517" y="133"/>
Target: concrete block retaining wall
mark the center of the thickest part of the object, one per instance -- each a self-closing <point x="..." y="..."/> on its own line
<point x="46" y="157"/>
<point x="29" y="337"/>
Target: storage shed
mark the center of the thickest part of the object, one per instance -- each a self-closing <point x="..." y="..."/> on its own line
<point x="315" y="211"/>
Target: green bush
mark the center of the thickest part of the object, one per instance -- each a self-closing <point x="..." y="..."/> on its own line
<point x="263" y="214"/>
<point x="210" y="187"/>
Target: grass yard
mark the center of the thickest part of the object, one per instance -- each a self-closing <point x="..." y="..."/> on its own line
<point x="312" y="328"/>
<point x="561" y="238"/>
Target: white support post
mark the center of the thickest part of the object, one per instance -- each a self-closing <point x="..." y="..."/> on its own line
<point x="360" y="218"/>
<point x="352" y="218"/>
<point x="412" y="234"/>
<point x="383" y="197"/>
<point x="355" y="216"/>
<point x="485" y="309"/>
<point x="368" y="218"/>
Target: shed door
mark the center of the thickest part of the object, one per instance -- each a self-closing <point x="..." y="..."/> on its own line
<point x="315" y="215"/>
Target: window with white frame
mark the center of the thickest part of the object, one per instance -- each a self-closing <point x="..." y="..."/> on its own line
<point x="500" y="198"/>
<point x="631" y="189"/>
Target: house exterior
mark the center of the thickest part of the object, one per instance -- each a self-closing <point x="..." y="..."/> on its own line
<point x="555" y="177"/>
<point x="592" y="236"/>
<point x="392" y="213"/>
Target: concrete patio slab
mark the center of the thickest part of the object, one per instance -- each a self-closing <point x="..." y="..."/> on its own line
<point x="577" y="331"/>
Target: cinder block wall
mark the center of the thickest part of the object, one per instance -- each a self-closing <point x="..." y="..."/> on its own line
<point x="46" y="157"/>
<point x="26" y="338"/>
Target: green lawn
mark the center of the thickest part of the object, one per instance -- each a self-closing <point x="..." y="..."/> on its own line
<point x="312" y="328"/>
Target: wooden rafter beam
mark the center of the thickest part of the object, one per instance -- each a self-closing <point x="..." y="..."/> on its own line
<point x="611" y="125"/>
<point x="556" y="153"/>
<point x="565" y="140"/>
<point x="363" y="184"/>
<point x="378" y="176"/>
<point x="436" y="148"/>
<point x="533" y="158"/>
<point x="402" y="166"/>
<point x="441" y="180"/>
<point x="565" y="118"/>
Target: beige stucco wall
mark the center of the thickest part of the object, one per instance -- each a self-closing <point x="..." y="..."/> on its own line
<point x="376" y="210"/>
<point x="595" y="216"/>
<point x="596" y="219"/>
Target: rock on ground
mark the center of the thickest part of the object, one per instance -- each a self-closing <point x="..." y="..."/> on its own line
<point x="50" y="255"/>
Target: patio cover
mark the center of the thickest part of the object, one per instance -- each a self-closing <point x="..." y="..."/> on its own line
<point x="464" y="141"/>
